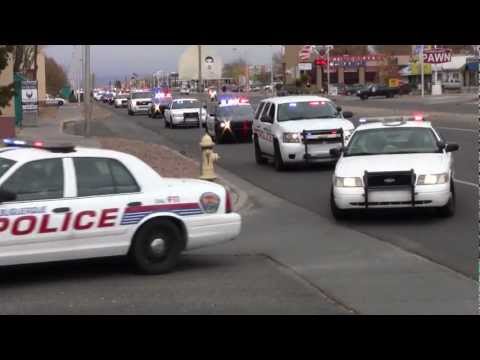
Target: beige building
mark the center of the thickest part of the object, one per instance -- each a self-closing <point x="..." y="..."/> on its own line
<point x="41" y="76"/>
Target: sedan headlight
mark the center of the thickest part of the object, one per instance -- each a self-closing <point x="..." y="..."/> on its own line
<point x="291" y="137"/>
<point x="348" y="182"/>
<point x="432" y="179"/>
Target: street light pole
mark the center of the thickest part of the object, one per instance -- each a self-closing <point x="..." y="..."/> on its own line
<point x="422" y="72"/>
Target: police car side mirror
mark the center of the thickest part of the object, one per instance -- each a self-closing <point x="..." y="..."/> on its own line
<point x="335" y="152"/>
<point x="347" y="114"/>
<point x="451" y="147"/>
<point x="7" y="196"/>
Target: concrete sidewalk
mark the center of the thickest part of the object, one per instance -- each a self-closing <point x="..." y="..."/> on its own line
<point x="50" y="127"/>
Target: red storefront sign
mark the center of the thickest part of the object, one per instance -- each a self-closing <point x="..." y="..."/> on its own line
<point x="437" y="56"/>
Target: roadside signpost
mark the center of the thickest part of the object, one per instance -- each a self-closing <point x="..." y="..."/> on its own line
<point x="30" y="102"/>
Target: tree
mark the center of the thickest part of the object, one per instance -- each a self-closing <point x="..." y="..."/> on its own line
<point x="6" y="91"/>
<point x="55" y="76"/>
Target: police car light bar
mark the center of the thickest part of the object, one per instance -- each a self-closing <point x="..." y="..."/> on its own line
<point x="63" y="148"/>
<point x="402" y="118"/>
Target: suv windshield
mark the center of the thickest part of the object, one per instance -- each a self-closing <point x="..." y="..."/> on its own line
<point x="307" y="110"/>
<point x="5" y="164"/>
<point x="186" y="104"/>
<point x="234" y="112"/>
<point x="392" y="141"/>
<point x="142" y="95"/>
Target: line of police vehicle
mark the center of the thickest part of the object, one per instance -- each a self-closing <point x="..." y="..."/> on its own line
<point x="61" y="202"/>
<point x="387" y="162"/>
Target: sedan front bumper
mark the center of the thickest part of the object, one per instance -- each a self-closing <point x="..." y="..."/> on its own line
<point x="425" y="196"/>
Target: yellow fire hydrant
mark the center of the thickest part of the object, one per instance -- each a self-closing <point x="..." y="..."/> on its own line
<point x="208" y="158"/>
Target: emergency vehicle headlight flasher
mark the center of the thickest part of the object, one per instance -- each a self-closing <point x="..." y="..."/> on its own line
<point x="432" y="179"/>
<point x="348" y="182"/>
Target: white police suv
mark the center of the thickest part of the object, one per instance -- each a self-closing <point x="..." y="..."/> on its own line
<point x="293" y="129"/>
<point x="64" y="202"/>
<point x="139" y="102"/>
<point x="394" y="162"/>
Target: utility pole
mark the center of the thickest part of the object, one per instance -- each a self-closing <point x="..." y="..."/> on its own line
<point x="422" y="70"/>
<point x="87" y="90"/>
<point x="200" y="87"/>
<point x="199" y="67"/>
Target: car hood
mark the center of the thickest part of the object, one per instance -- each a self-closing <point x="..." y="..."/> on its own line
<point x="315" y="124"/>
<point x="420" y="163"/>
<point x="142" y="99"/>
<point x="178" y="186"/>
<point x="182" y="111"/>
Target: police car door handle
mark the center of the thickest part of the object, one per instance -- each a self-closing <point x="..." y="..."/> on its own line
<point x="138" y="203"/>
<point x="61" y="210"/>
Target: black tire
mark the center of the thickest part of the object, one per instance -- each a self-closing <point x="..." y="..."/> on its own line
<point x="130" y="112"/>
<point x="260" y="160"/>
<point x="149" y="114"/>
<point x="338" y="214"/>
<point x="277" y="158"/>
<point x="165" y="123"/>
<point x="143" y="255"/>
<point x="364" y="97"/>
<point x="449" y="209"/>
<point x="60" y="103"/>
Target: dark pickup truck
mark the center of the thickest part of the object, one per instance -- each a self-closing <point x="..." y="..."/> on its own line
<point x="377" y="90"/>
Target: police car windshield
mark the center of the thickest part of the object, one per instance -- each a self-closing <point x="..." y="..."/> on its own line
<point x="402" y="140"/>
<point x="306" y="110"/>
<point x="5" y="164"/>
<point x="186" y="104"/>
<point x="241" y="111"/>
<point x="142" y="95"/>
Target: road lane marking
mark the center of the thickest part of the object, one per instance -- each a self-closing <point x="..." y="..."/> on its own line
<point x="465" y="183"/>
<point x="456" y="129"/>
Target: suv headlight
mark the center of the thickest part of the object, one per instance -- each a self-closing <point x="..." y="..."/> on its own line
<point x="432" y="179"/>
<point x="348" y="181"/>
<point x="291" y="137"/>
<point x="347" y="134"/>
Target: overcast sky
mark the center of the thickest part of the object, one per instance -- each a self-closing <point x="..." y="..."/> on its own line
<point x="120" y="60"/>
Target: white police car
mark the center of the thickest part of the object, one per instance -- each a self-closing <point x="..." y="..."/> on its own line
<point x="184" y="112"/>
<point x="64" y="202"/>
<point x="394" y="162"/>
<point x="294" y="129"/>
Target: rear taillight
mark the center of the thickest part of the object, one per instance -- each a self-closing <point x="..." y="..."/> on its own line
<point x="228" y="203"/>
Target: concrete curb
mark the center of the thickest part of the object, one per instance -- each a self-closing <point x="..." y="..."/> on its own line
<point x="240" y="197"/>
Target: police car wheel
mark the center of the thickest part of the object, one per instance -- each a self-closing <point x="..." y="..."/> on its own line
<point x="258" y="154"/>
<point x="338" y="214"/>
<point x="277" y="158"/>
<point x="449" y="209"/>
<point x="156" y="247"/>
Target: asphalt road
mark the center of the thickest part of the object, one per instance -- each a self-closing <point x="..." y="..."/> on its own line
<point x="450" y="242"/>
<point x="201" y="284"/>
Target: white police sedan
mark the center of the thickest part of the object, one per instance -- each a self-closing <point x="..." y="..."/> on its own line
<point x="61" y="203"/>
<point x="394" y="162"/>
